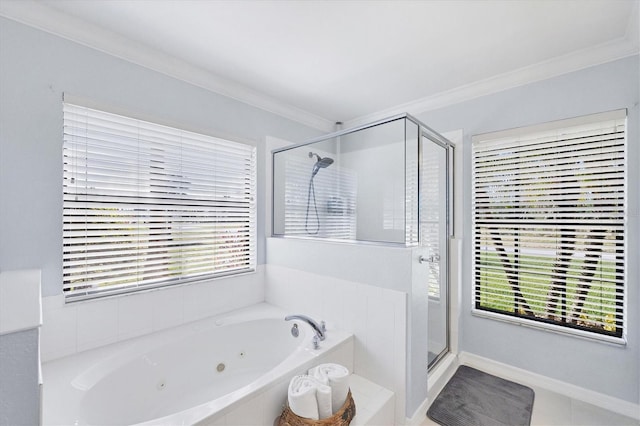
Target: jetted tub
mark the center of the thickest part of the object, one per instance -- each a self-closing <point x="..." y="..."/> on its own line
<point x="194" y="373"/>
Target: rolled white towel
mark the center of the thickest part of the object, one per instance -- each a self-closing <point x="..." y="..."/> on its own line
<point x="336" y="376"/>
<point x="309" y="398"/>
<point x="302" y="397"/>
<point x="323" y="396"/>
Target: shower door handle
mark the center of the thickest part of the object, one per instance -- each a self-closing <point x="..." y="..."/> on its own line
<point x="431" y="259"/>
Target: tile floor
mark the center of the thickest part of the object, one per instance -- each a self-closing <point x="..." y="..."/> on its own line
<point x="554" y="409"/>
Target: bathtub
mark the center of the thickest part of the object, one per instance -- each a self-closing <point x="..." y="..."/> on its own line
<point x="231" y="368"/>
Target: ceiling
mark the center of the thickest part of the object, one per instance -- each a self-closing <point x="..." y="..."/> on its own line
<point x="327" y="61"/>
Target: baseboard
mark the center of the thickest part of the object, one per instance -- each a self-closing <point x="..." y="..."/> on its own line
<point x="528" y="378"/>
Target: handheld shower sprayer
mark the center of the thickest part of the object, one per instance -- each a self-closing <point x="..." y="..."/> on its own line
<point x="320" y="163"/>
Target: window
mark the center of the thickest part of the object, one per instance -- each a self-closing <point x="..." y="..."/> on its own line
<point x="549" y="205"/>
<point x="147" y="205"/>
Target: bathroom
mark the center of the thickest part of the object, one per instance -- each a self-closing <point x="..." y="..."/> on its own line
<point x="354" y="287"/>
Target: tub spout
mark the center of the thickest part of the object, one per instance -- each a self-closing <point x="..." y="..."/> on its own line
<point x="319" y="330"/>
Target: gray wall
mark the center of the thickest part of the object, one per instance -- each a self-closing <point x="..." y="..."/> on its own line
<point x="605" y="368"/>
<point x="36" y="68"/>
<point x="19" y="384"/>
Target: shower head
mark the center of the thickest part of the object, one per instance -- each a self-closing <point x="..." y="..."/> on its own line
<point x="325" y="162"/>
<point x="321" y="163"/>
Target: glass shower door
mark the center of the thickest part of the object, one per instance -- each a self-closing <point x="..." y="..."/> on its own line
<point x="434" y="201"/>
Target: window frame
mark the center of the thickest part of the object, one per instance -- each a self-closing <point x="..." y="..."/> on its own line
<point x="194" y="202"/>
<point x="522" y="135"/>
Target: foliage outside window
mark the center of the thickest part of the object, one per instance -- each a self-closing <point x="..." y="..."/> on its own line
<point x="549" y="206"/>
<point x="147" y="205"/>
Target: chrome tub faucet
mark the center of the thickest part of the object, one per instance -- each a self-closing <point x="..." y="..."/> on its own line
<point x="318" y="329"/>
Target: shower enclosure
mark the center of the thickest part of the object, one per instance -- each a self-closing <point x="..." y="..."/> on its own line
<point x="387" y="183"/>
<point x="373" y="183"/>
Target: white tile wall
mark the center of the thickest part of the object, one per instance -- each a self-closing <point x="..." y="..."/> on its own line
<point x="376" y="316"/>
<point x="374" y="404"/>
<point x="20" y="300"/>
<point x="167" y="308"/>
<point x="81" y="326"/>
<point x="97" y="323"/>
<point x="135" y="316"/>
<point x="59" y="329"/>
<point x="197" y="301"/>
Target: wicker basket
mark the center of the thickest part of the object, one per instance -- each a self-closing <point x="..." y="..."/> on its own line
<point x="341" y="418"/>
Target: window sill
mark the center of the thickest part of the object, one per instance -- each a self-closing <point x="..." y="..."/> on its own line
<point x="593" y="337"/>
<point x="107" y="294"/>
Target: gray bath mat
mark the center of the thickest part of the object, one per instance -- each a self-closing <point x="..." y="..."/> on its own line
<point x="472" y="397"/>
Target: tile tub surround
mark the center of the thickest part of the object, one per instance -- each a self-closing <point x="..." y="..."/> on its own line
<point x="376" y="316"/>
<point x="374" y="404"/>
<point x="80" y="326"/>
<point x="79" y="376"/>
<point x="20" y="300"/>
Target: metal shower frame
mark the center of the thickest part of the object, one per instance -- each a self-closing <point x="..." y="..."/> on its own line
<point x="424" y="132"/>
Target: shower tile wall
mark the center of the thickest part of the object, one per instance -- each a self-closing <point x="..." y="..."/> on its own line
<point x="80" y="326"/>
<point x="376" y="316"/>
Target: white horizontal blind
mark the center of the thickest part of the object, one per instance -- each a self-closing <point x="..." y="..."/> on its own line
<point x="431" y="203"/>
<point x="335" y="191"/>
<point x="549" y="223"/>
<point x="148" y="205"/>
<point x="411" y="201"/>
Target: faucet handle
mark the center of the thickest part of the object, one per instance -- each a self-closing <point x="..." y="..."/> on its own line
<point x="323" y="326"/>
<point x="316" y="345"/>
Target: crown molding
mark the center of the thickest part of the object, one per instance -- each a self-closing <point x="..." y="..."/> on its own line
<point x="622" y="47"/>
<point x="45" y="18"/>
